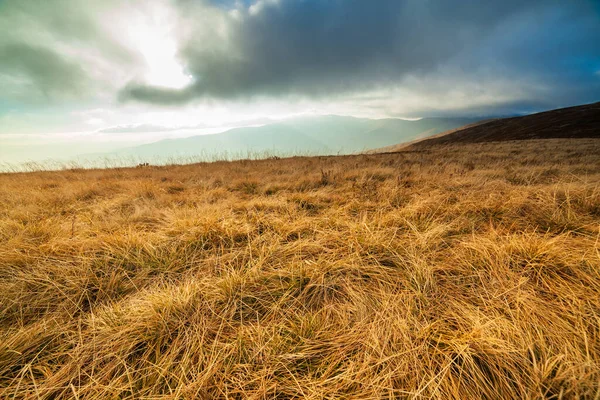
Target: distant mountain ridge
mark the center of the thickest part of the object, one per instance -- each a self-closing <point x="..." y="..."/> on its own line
<point x="306" y="135"/>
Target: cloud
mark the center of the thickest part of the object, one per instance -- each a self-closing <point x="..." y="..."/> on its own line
<point x="323" y="49"/>
<point x="48" y="72"/>
<point x="143" y="128"/>
<point x="136" y="128"/>
<point x="413" y="55"/>
<point x="146" y="128"/>
<point x="59" y="50"/>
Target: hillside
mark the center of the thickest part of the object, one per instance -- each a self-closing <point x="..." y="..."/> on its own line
<point x="403" y="145"/>
<point x="468" y="271"/>
<point x="308" y="135"/>
<point x="572" y="122"/>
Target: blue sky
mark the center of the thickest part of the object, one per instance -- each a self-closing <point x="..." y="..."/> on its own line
<point x="73" y="70"/>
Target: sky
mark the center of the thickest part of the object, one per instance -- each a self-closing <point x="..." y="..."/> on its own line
<point x="83" y="76"/>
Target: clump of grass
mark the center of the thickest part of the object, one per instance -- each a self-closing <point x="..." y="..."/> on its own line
<point x="175" y="189"/>
<point x="468" y="271"/>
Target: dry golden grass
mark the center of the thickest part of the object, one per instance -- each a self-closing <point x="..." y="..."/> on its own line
<point x="461" y="272"/>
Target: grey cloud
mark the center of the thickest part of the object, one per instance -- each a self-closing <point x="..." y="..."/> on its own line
<point x="321" y="49"/>
<point x="143" y="128"/>
<point x="65" y="20"/>
<point x="39" y="43"/>
<point x="137" y="128"/>
<point x="158" y="95"/>
<point x="324" y="48"/>
<point x="51" y="74"/>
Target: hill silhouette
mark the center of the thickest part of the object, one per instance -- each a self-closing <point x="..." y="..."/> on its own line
<point x="566" y="123"/>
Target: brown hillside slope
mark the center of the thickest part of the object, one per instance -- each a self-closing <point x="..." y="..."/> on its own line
<point x="469" y="271"/>
<point x="399" y="146"/>
<point x="572" y="122"/>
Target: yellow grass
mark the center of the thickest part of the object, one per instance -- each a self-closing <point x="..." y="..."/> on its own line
<point x="462" y="272"/>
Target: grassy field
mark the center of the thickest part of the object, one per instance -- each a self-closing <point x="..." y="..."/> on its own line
<point x="461" y="272"/>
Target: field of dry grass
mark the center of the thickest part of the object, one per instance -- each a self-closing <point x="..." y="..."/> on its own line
<point x="460" y="272"/>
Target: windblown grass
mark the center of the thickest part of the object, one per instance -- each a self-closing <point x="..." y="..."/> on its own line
<point x="458" y="272"/>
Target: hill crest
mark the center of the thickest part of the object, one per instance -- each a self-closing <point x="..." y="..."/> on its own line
<point x="576" y="122"/>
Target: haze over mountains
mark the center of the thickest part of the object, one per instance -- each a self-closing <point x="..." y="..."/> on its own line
<point x="306" y="135"/>
<point x="334" y="134"/>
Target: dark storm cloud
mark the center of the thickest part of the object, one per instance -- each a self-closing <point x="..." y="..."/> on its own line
<point x="321" y="48"/>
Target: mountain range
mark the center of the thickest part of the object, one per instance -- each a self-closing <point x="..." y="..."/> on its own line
<point x="330" y="134"/>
